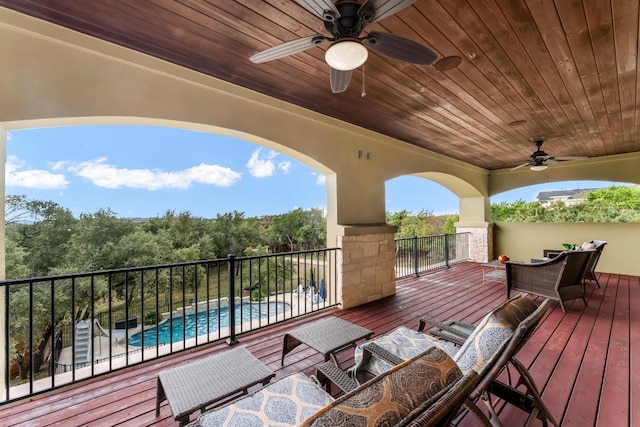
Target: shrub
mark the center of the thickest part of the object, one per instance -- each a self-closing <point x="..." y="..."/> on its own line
<point x="257" y="295"/>
<point x="150" y="318"/>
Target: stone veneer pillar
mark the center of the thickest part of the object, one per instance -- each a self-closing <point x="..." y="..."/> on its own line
<point x="366" y="264"/>
<point x="480" y="240"/>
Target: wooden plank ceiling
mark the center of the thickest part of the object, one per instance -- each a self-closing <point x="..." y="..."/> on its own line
<point x="568" y="69"/>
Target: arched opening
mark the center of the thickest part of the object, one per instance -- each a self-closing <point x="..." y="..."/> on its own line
<point x="533" y="220"/>
<point x="126" y="168"/>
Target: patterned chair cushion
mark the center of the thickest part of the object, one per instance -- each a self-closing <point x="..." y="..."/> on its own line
<point x="403" y="342"/>
<point x="492" y="334"/>
<point x="285" y="402"/>
<point x="391" y="397"/>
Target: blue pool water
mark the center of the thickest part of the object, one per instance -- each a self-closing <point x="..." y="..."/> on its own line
<point x="253" y="311"/>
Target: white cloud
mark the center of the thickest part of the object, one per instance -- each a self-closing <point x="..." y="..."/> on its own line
<point x="285" y="167"/>
<point x="105" y="175"/>
<point x="261" y="168"/>
<point x="321" y="179"/>
<point x="34" y="178"/>
<point x="59" y="165"/>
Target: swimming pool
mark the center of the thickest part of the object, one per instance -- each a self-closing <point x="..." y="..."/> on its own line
<point x="244" y="313"/>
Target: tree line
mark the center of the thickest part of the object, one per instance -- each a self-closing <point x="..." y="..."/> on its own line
<point x="44" y="238"/>
<point x="611" y="204"/>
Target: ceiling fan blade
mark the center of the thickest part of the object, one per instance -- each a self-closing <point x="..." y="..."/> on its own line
<point x="320" y="8"/>
<point x="400" y="48"/>
<point x="385" y="8"/>
<point x="551" y="162"/>
<point x="288" y="48"/>
<point x="520" y="166"/>
<point x="339" y="80"/>
<point x="565" y="158"/>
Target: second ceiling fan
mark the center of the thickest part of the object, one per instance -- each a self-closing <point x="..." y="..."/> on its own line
<point x="345" y="20"/>
<point x="541" y="160"/>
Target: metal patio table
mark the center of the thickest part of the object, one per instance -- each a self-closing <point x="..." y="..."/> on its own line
<point x="494" y="271"/>
<point x="327" y="336"/>
<point x="196" y="385"/>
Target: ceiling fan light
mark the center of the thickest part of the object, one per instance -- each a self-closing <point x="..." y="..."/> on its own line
<point x="538" y="168"/>
<point x="346" y="55"/>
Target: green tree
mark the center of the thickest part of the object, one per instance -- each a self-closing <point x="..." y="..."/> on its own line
<point x="286" y="228"/>
<point x="269" y="274"/>
<point x="396" y="218"/>
<point x="19" y="305"/>
<point x="42" y="228"/>
<point x="450" y="224"/>
<point x="232" y="233"/>
<point x="612" y="204"/>
<point x="94" y="244"/>
<point x="416" y="225"/>
<point x="622" y="197"/>
<point x="313" y="231"/>
<point x="16" y="266"/>
<point x="137" y="248"/>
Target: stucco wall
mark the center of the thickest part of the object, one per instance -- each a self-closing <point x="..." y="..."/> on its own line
<point x="523" y="241"/>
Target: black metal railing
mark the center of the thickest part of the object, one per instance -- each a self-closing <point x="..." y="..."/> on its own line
<point x="82" y="325"/>
<point x="415" y="255"/>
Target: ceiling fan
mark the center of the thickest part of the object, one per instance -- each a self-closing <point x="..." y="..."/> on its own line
<point x="541" y="160"/>
<point x="345" y="20"/>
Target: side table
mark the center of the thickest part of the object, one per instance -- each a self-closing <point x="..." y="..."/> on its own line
<point x="327" y="336"/>
<point x="196" y="385"/>
<point x="494" y="271"/>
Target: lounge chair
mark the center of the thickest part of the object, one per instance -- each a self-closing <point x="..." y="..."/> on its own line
<point x="426" y="390"/>
<point x="486" y="350"/>
<point x="559" y="279"/>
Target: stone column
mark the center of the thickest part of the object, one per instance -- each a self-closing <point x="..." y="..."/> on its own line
<point x="366" y="264"/>
<point x="480" y="240"/>
<point x="355" y="223"/>
<point x="474" y="215"/>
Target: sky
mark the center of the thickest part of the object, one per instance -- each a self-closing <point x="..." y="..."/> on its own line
<point x="145" y="171"/>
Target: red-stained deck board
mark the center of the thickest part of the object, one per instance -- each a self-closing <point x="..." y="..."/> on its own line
<point x="578" y="359"/>
<point x="634" y="348"/>
<point x="583" y="404"/>
<point x="614" y="404"/>
<point x="561" y="383"/>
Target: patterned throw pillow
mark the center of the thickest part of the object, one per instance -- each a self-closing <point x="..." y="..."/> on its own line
<point x="391" y="397"/>
<point x="493" y="333"/>
<point x="405" y="343"/>
<point x="285" y="402"/>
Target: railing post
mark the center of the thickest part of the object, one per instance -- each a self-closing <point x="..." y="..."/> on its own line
<point x="415" y="255"/>
<point x="446" y="250"/>
<point x="232" y="301"/>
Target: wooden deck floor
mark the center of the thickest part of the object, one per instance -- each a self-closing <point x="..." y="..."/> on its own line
<point x="586" y="362"/>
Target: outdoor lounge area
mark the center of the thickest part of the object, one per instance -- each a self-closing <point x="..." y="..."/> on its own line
<point x="582" y="360"/>
<point x="458" y="93"/>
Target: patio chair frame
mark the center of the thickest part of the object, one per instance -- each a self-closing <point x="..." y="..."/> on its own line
<point x="530" y="400"/>
<point x="560" y="278"/>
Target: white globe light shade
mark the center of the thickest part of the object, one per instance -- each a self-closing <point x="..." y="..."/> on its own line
<point x="346" y="55"/>
<point x="538" y="168"/>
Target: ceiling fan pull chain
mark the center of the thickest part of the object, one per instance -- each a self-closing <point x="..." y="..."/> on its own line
<point x="364" y="90"/>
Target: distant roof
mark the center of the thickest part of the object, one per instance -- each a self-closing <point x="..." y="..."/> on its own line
<point x="561" y="194"/>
